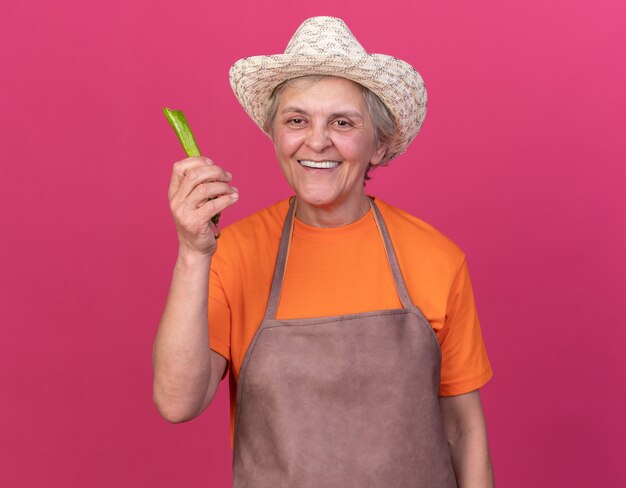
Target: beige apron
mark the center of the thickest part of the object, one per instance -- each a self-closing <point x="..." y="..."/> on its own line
<point x="346" y="401"/>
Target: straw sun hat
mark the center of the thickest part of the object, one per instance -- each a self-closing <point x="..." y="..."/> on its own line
<point x="325" y="46"/>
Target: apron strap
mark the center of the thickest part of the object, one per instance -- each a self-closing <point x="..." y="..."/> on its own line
<point x="392" y="259"/>
<point x="283" y="252"/>
<point x="281" y="263"/>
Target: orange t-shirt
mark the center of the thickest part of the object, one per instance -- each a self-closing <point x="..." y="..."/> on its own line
<point x="340" y="271"/>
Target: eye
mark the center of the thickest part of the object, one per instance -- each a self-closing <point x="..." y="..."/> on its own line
<point x="342" y="124"/>
<point x="295" y="121"/>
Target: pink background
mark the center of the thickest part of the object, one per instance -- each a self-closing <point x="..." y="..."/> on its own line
<point x="520" y="161"/>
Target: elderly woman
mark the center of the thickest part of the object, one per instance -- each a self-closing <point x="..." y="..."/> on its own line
<point x="347" y="326"/>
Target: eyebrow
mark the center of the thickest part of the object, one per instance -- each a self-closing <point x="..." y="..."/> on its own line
<point x="344" y="113"/>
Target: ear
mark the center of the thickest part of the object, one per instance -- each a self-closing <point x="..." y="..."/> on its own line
<point x="379" y="153"/>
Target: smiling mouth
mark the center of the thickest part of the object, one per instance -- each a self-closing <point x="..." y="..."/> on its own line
<point x="319" y="164"/>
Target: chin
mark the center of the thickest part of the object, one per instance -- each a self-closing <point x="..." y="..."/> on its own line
<point x="317" y="196"/>
<point x="315" y="201"/>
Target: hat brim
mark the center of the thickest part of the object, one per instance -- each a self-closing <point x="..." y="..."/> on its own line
<point x="396" y="83"/>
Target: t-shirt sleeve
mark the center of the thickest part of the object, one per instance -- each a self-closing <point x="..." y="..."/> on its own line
<point x="465" y="365"/>
<point x="219" y="317"/>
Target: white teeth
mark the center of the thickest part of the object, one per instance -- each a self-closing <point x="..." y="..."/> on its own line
<point x="320" y="164"/>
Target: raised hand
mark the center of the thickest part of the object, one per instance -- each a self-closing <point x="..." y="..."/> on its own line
<point x="199" y="189"/>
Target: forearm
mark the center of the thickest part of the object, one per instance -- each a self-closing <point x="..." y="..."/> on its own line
<point x="181" y="357"/>
<point x="471" y="459"/>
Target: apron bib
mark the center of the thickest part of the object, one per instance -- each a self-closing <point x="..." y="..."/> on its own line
<point x="345" y="401"/>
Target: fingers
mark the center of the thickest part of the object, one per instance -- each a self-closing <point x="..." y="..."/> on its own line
<point x="203" y="177"/>
<point x="180" y="169"/>
<point x="192" y="172"/>
<point x="194" y="224"/>
<point x="208" y="191"/>
<point x="216" y="205"/>
<point x="198" y="191"/>
<point x="196" y="232"/>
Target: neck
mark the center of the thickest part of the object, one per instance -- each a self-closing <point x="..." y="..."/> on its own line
<point x="336" y="216"/>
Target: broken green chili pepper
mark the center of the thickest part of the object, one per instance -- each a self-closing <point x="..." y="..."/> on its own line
<point x="179" y="123"/>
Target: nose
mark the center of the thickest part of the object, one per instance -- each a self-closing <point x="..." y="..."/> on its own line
<point x="318" y="138"/>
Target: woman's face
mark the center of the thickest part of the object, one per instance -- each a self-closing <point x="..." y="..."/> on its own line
<point x="324" y="140"/>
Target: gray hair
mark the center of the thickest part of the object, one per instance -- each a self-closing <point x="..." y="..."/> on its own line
<point x="385" y="128"/>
